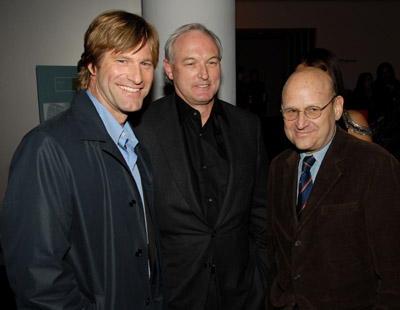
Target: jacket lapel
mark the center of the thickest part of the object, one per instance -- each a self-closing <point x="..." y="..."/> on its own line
<point x="146" y="176"/>
<point x="172" y="143"/>
<point x="92" y="127"/>
<point x="328" y="175"/>
<point x="236" y="164"/>
<point x="289" y="181"/>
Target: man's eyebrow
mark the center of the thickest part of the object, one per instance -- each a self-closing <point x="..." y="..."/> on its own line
<point x="149" y="59"/>
<point x="188" y="58"/>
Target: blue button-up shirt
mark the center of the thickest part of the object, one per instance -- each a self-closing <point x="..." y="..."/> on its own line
<point x="319" y="157"/>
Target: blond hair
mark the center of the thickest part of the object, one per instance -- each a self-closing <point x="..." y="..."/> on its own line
<point x="119" y="31"/>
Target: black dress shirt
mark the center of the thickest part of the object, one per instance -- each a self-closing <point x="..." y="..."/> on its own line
<point x="207" y="153"/>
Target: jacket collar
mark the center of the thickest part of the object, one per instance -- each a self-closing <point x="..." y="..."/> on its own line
<point x="91" y="126"/>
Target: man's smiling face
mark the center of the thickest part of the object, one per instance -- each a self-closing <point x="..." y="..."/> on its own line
<point x="122" y="81"/>
<point x="195" y="70"/>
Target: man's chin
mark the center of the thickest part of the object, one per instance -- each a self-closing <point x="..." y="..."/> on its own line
<point x="302" y="147"/>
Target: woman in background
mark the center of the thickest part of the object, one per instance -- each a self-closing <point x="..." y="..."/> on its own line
<point x="352" y="120"/>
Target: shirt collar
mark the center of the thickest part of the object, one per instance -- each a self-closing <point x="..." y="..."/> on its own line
<point x="184" y="109"/>
<point x="113" y="128"/>
<point x="319" y="155"/>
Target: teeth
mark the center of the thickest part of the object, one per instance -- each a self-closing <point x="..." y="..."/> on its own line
<point x="203" y="86"/>
<point x="133" y="90"/>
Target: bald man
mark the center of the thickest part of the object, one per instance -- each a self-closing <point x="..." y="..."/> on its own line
<point x="334" y="208"/>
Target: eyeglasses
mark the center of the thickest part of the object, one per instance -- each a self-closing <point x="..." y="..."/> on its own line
<point x="310" y="112"/>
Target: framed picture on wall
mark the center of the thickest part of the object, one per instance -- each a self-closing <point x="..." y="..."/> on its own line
<point x="56" y="87"/>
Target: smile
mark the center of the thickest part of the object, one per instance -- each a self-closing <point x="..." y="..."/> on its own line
<point x="303" y="132"/>
<point x="129" y="89"/>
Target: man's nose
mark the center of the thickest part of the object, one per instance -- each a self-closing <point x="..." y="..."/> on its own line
<point x="302" y="120"/>
<point x="203" y="72"/>
<point x="135" y="74"/>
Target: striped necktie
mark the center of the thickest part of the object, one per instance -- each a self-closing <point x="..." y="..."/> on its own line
<point x="305" y="184"/>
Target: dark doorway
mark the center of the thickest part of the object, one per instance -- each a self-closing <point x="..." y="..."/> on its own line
<point x="273" y="55"/>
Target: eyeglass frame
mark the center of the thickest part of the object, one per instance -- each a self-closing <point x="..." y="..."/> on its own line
<point x="305" y="113"/>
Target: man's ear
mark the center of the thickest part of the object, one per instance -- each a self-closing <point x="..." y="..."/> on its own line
<point x="168" y="69"/>
<point x="92" y="69"/>
<point x="338" y="107"/>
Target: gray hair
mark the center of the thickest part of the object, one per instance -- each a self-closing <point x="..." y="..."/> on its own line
<point x="169" y="45"/>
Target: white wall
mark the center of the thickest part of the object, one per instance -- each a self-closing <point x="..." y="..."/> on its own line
<point x="361" y="33"/>
<point x="38" y="32"/>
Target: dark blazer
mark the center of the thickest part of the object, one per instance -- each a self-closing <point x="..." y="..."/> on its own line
<point x="344" y="253"/>
<point x="73" y="231"/>
<point x="237" y="242"/>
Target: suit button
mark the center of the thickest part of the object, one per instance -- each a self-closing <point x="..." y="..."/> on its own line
<point x="297" y="243"/>
<point x="132" y="203"/>
<point x="296" y="277"/>
<point x="138" y="253"/>
<point x="147" y="301"/>
<point x="213" y="269"/>
<point x="208" y="265"/>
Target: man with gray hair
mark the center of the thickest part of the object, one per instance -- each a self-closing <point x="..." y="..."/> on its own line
<point x="210" y="168"/>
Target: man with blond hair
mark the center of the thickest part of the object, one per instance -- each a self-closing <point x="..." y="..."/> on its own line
<point x="79" y="229"/>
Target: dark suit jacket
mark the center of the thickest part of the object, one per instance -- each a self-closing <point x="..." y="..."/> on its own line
<point x="344" y="253"/>
<point x="73" y="231"/>
<point x="189" y="243"/>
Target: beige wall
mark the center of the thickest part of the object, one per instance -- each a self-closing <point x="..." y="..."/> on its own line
<point x="38" y="32"/>
<point x="361" y="33"/>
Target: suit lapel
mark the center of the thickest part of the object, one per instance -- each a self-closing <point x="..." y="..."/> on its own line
<point x="328" y="175"/>
<point x="289" y="180"/>
<point x="173" y="147"/>
<point x="234" y="152"/>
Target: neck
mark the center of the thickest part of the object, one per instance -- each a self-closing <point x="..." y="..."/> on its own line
<point x="205" y="110"/>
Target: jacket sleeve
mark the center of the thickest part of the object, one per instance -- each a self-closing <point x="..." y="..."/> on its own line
<point x="382" y="220"/>
<point x="270" y="234"/>
<point x="36" y="221"/>
<point x="258" y="221"/>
